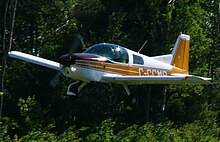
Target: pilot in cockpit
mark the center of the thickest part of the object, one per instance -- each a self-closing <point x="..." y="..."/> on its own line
<point x="118" y="55"/>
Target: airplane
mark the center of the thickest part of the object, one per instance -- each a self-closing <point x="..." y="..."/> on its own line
<point x="111" y="63"/>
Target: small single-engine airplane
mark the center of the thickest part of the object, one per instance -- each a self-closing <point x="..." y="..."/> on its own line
<point x="111" y="63"/>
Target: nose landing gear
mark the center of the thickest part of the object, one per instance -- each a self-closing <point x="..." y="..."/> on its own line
<point x="75" y="87"/>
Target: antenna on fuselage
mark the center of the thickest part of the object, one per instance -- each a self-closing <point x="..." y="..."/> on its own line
<point x="142" y="46"/>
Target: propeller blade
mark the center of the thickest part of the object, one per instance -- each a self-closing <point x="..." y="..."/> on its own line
<point x="56" y="79"/>
<point x="78" y="39"/>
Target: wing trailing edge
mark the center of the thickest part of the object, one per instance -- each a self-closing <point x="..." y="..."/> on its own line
<point x="135" y="80"/>
<point x="35" y="60"/>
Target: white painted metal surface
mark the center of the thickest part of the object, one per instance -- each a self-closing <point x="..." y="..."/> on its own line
<point x="35" y="60"/>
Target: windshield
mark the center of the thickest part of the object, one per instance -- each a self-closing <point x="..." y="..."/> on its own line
<point x="110" y="51"/>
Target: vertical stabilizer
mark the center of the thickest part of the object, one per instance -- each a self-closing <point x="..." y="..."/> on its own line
<point x="181" y="52"/>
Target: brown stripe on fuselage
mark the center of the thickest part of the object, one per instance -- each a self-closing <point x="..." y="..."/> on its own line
<point x="125" y="69"/>
<point x="109" y="67"/>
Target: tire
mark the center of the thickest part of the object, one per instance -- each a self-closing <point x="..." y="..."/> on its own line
<point x="132" y="101"/>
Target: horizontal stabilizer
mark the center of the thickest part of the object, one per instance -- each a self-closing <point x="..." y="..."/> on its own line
<point x="132" y="80"/>
<point x="35" y="60"/>
<point x="164" y="58"/>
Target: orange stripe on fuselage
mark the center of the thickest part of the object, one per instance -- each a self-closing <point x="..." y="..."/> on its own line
<point x="125" y="69"/>
<point x="109" y="67"/>
<point x="178" y="70"/>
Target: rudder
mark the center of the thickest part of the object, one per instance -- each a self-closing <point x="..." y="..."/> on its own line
<point x="181" y="52"/>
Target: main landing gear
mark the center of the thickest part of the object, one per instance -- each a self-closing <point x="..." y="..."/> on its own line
<point x="75" y="87"/>
<point x="144" y="101"/>
<point x="132" y="100"/>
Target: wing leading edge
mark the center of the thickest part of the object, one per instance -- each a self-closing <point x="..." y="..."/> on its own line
<point x="35" y="60"/>
<point x="132" y="80"/>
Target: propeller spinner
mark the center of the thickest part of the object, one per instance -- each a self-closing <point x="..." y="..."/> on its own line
<point x="67" y="59"/>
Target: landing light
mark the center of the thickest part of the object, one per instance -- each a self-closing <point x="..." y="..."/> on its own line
<point x="73" y="69"/>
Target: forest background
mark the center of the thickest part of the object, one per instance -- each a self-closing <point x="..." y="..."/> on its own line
<point x="32" y="110"/>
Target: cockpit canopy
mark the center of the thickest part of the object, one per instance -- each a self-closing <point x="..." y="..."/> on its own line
<point x="110" y="51"/>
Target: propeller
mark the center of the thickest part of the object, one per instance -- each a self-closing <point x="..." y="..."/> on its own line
<point x="78" y="39"/>
<point x="67" y="59"/>
<point x="56" y="78"/>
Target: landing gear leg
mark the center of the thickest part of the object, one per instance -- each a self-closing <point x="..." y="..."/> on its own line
<point x="127" y="89"/>
<point x="74" y="88"/>
<point x="164" y="104"/>
<point x="147" y="106"/>
<point x="132" y="100"/>
<point x="164" y="99"/>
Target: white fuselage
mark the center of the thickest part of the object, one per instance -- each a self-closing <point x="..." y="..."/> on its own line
<point x="94" y="71"/>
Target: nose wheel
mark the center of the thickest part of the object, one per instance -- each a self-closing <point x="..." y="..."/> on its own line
<point x="74" y="88"/>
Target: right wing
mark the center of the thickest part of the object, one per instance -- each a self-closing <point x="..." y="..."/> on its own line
<point x="176" y="79"/>
<point x="35" y="60"/>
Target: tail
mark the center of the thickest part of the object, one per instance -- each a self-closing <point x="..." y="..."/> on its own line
<point x="180" y="54"/>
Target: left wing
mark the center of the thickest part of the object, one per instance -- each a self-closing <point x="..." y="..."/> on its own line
<point x="35" y="60"/>
<point x="177" y="79"/>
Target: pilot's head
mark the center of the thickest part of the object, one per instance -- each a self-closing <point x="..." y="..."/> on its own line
<point x="118" y="52"/>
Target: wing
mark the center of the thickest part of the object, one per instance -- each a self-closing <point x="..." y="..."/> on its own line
<point x="35" y="60"/>
<point x="177" y="79"/>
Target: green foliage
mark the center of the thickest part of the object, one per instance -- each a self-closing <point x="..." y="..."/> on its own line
<point x="33" y="117"/>
<point x="71" y="135"/>
<point x="38" y="136"/>
<point x="4" y="132"/>
<point x="128" y="134"/>
<point x="115" y="32"/>
<point x="104" y="132"/>
<point x="196" y="131"/>
<point x="7" y="128"/>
